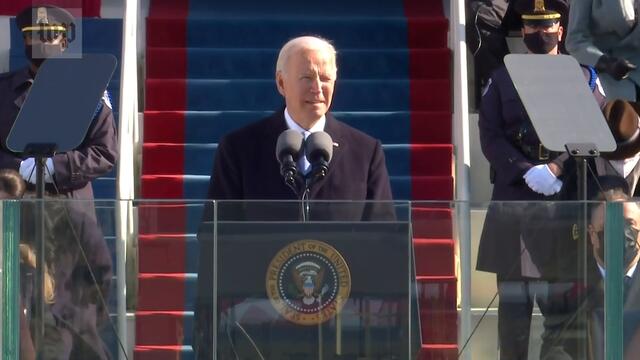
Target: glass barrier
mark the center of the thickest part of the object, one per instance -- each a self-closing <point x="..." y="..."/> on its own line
<point x="536" y="282"/>
<point x="291" y="280"/>
<point x="66" y="308"/>
<point x="81" y="305"/>
<point x="9" y="280"/>
<point x="312" y="280"/>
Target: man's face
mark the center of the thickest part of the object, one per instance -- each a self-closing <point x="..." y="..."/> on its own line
<point x="554" y="30"/>
<point x="40" y="45"/>
<point x="44" y="37"/>
<point x="631" y="214"/>
<point x="307" y="84"/>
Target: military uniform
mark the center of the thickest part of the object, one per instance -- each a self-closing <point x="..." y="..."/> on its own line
<point x="74" y="170"/>
<point x="77" y="251"/>
<point x="512" y="147"/>
<point x="488" y="25"/>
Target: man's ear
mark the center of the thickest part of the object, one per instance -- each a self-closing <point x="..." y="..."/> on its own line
<point x="593" y="237"/>
<point x="280" y="82"/>
<point x="560" y="32"/>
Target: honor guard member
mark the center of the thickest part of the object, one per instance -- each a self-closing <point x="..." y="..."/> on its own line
<point x="489" y="23"/>
<point x="45" y="31"/>
<point x="522" y="169"/>
<point x="82" y="263"/>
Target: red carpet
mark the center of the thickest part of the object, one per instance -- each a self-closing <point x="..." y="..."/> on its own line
<point x="163" y="328"/>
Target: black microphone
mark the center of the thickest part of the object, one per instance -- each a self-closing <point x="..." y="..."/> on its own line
<point x="287" y="152"/>
<point x="319" y="150"/>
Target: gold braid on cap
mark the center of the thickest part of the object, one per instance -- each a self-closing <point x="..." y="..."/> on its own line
<point x="44" y="27"/>
<point x="540" y="13"/>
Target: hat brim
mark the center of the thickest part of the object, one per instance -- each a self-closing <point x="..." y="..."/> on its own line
<point x="540" y="22"/>
<point x="630" y="147"/>
<point x="541" y="18"/>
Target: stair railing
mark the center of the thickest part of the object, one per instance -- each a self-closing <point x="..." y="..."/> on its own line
<point x="462" y="156"/>
<point x="125" y="181"/>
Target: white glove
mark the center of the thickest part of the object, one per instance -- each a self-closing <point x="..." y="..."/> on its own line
<point x="28" y="170"/>
<point x="541" y="180"/>
<point x="556" y="187"/>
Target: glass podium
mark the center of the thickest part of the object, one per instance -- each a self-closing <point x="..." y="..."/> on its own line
<point x="324" y="280"/>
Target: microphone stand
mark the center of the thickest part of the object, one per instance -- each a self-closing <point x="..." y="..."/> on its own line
<point x="40" y="152"/>
<point x="304" y="200"/>
<point x="317" y="173"/>
<point x="581" y="152"/>
<point x="295" y="182"/>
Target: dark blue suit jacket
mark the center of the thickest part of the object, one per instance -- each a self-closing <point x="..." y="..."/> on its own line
<point x="246" y="168"/>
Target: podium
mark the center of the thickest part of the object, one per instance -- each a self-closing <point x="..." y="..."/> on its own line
<point x="334" y="287"/>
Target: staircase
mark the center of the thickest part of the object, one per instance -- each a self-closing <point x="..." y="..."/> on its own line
<point x="210" y="69"/>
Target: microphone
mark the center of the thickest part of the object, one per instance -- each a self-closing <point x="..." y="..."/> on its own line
<point x="319" y="150"/>
<point x="287" y="152"/>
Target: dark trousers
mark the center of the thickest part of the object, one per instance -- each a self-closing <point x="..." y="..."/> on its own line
<point x="561" y="339"/>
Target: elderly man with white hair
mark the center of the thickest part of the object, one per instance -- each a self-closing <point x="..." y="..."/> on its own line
<point x="246" y="167"/>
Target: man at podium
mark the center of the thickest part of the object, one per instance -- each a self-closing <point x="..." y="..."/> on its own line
<point x="246" y="167"/>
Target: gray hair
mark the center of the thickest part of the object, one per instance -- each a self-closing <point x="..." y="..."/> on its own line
<point x="303" y="42"/>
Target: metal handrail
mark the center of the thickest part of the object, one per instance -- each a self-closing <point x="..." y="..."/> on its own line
<point x="462" y="159"/>
<point x="125" y="184"/>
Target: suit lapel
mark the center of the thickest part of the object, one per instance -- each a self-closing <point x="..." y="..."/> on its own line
<point x="334" y="130"/>
<point x="275" y="126"/>
<point x="19" y="83"/>
<point x="632" y="297"/>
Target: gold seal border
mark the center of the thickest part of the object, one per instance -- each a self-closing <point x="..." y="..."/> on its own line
<point x="334" y="257"/>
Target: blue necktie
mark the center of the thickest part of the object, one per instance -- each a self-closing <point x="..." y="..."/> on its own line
<point x="305" y="165"/>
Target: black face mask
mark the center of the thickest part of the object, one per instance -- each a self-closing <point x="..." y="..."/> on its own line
<point x="38" y="53"/>
<point x="540" y="42"/>
<point x="630" y="245"/>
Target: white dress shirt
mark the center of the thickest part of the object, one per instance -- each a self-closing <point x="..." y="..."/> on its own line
<point x="629" y="273"/>
<point x="303" y="163"/>
<point x="625" y="167"/>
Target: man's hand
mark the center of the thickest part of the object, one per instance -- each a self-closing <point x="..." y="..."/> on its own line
<point x="555" y="169"/>
<point x="618" y="68"/>
<point x="28" y="170"/>
<point x="541" y="180"/>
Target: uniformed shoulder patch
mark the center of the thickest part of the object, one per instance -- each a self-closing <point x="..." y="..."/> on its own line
<point x="486" y="87"/>
<point x="107" y="99"/>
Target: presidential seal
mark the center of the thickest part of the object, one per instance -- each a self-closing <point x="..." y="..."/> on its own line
<point x="308" y="282"/>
